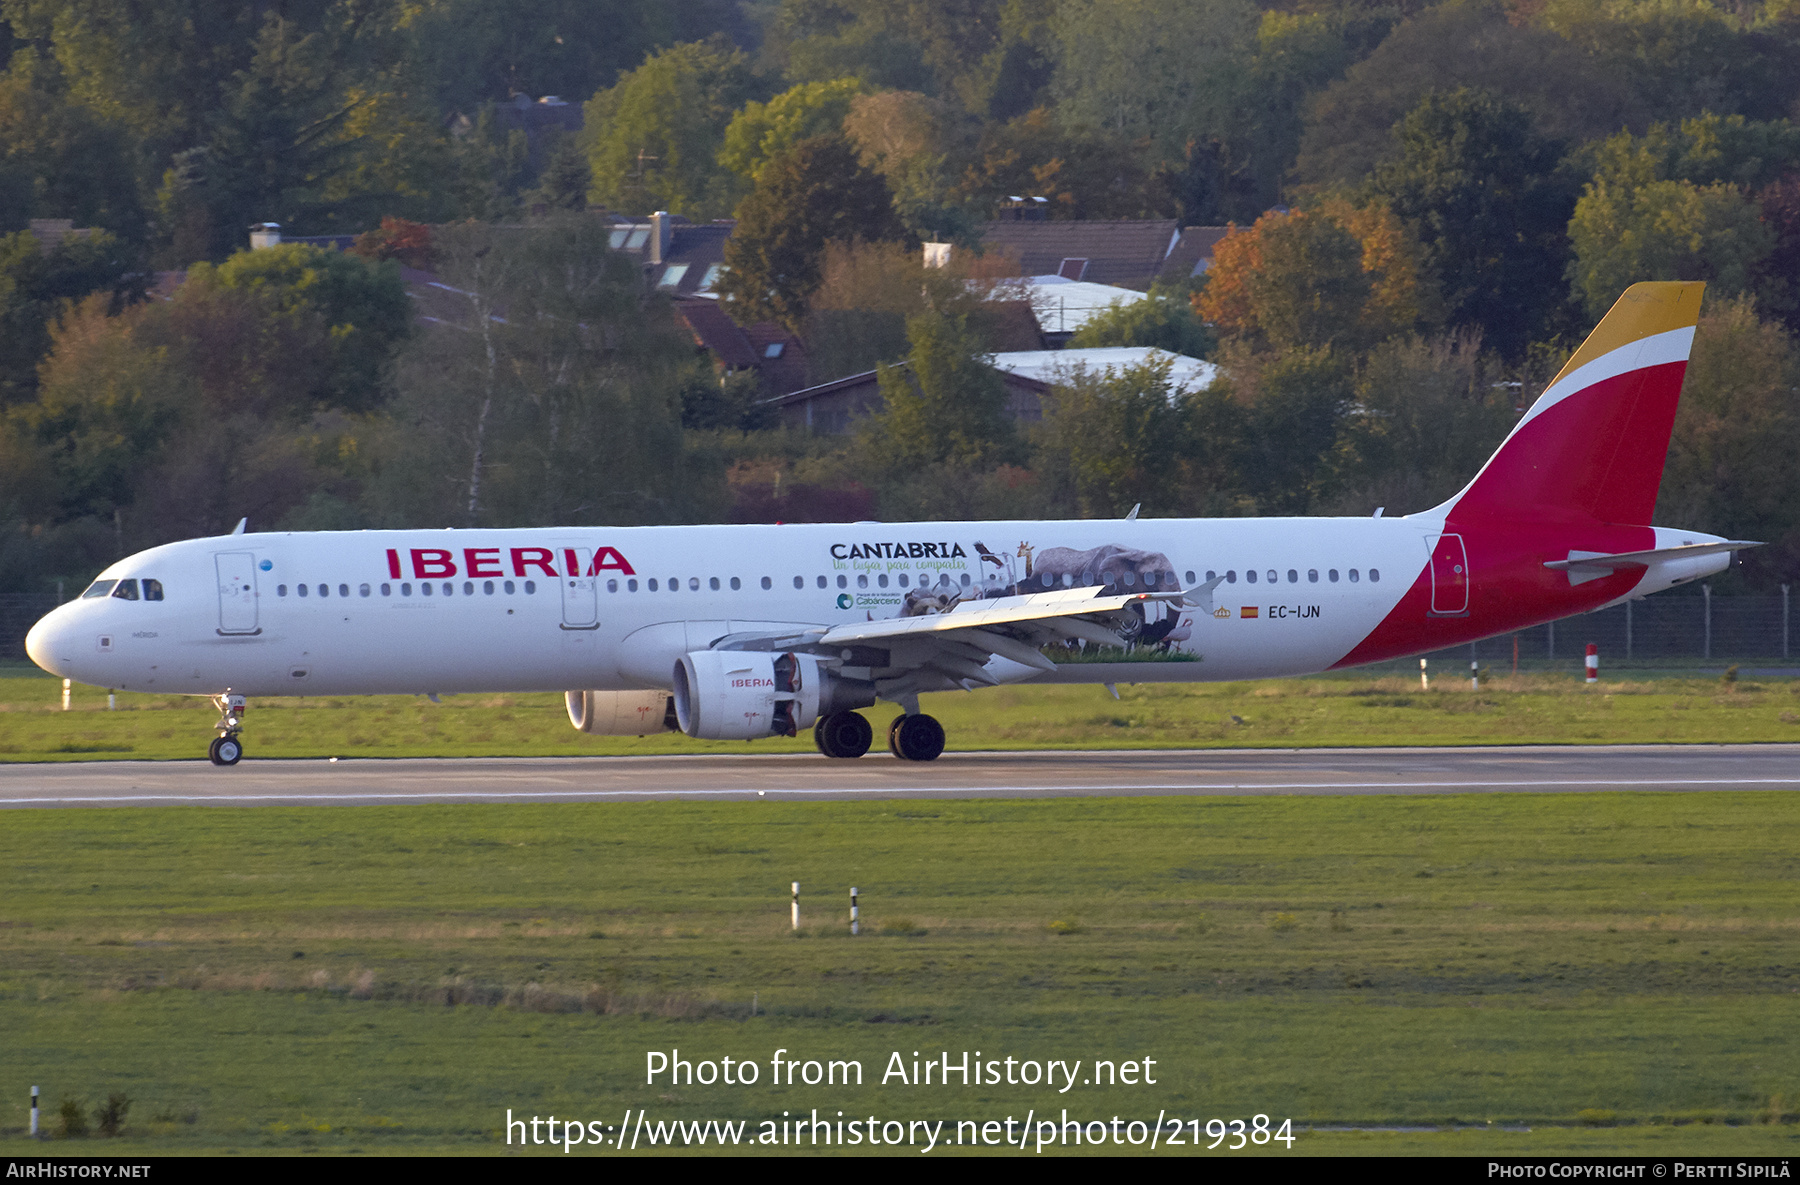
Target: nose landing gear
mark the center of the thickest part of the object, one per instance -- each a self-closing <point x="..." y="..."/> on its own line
<point x="227" y="748"/>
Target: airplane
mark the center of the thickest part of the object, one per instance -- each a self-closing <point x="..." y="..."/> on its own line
<point x="743" y="632"/>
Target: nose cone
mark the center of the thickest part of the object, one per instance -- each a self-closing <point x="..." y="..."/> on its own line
<point x="46" y="644"/>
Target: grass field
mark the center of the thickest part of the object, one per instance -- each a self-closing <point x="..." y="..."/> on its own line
<point x="1616" y="972"/>
<point x="1353" y="709"/>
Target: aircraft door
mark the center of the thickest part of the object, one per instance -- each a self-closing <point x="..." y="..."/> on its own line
<point x="580" y="599"/>
<point x="237" y="591"/>
<point x="1449" y="576"/>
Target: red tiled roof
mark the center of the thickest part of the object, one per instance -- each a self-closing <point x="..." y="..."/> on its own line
<point x="1127" y="252"/>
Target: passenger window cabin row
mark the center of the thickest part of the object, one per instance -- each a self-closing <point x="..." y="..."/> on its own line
<point x="426" y="589"/>
<point x="132" y="589"/>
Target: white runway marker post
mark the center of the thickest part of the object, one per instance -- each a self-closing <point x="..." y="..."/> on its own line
<point x="855" y="926"/>
<point x="1424" y="679"/>
<point x="34" y="1112"/>
<point x="1474" y="675"/>
<point x="796" y="905"/>
<point x="1593" y="664"/>
<point x="65" y="695"/>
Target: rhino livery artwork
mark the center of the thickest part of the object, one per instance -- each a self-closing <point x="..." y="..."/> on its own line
<point x="740" y="632"/>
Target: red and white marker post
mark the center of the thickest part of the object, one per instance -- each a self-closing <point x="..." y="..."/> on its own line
<point x="1593" y="664"/>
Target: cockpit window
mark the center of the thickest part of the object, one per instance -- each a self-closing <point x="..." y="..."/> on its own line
<point x="127" y="590"/>
<point x="152" y="590"/>
<point x="99" y="589"/>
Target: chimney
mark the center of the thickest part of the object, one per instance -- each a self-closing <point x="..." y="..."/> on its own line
<point x="264" y="234"/>
<point x="661" y="230"/>
<point x="937" y="254"/>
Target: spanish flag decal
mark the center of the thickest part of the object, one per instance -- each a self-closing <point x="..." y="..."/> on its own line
<point x="1247" y="611"/>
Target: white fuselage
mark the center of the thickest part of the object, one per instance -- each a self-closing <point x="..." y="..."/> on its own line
<point x="506" y="610"/>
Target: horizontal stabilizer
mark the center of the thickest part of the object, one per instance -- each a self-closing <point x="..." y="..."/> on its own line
<point x="1583" y="566"/>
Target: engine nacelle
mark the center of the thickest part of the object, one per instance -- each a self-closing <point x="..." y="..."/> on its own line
<point x="739" y="695"/>
<point x="620" y="713"/>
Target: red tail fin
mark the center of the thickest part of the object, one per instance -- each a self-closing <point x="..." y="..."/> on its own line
<point x="1593" y="445"/>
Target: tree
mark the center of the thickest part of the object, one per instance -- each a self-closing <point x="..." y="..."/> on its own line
<point x="1115" y="437"/>
<point x="857" y="317"/>
<point x="1735" y="450"/>
<point x="1663" y="230"/>
<point x="35" y="284"/>
<point x="1149" y="69"/>
<point x="1309" y="287"/>
<point x="1674" y="203"/>
<point x="1083" y="173"/>
<point x="1428" y="412"/>
<point x="362" y="303"/>
<point x="269" y="150"/>
<point x="59" y="159"/>
<point x="1163" y="320"/>
<point x="910" y="139"/>
<point x="1338" y="276"/>
<point x="1683" y="58"/>
<point x="566" y="178"/>
<point x="555" y="398"/>
<point x="655" y="136"/>
<point x="946" y="407"/>
<point x="1488" y="202"/>
<point x="988" y="57"/>
<point x="762" y="131"/>
<point x="1571" y="97"/>
<point x="472" y="52"/>
<point x="1293" y="406"/>
<point x="814" y="194"/>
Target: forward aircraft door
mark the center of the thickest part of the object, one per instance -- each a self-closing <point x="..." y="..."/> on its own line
<point x="580" y="597"/>
<point x="237" y="591"/>
<point x="1449" y="576"/>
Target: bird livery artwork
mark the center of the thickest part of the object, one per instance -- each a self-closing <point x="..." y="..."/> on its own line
<point x="912" y="580"/>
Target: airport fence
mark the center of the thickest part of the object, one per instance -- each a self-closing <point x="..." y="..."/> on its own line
<point x="1668" y="630"/>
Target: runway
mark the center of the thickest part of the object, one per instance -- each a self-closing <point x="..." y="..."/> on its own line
<point x="710" y="777"/>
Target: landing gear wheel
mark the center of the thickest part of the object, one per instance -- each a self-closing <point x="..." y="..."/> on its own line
<point x="226" y="751"/>
<point x="843" y="734"/>
<point x="915" y="738"/>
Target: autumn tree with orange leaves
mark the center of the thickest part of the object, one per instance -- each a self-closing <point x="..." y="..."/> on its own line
<point x="1338" y="276"/>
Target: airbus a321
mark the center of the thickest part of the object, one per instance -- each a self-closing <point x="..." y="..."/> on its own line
<point x="742" y="632"/>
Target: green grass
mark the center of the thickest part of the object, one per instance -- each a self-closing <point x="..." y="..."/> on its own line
<point x="1615" y="971"/>
<point x="1345" y="710"/>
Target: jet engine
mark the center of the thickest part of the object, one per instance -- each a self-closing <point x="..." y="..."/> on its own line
<point x="739" y="695"/>
<point x="620" y="713"/>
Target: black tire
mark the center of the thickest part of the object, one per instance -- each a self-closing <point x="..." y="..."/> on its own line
<point x="843" y="734"/>
<point x="212" y="751"/>
<point x="917" y="738"/>
<point x="226" y="751"/>
<point x="894" y="736"/>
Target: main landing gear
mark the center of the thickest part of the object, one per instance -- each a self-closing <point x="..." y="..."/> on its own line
<point x="910" y="738"/>
<point x="843" y="734"/>
<point x="915" y="738"/>
<point x="228" y="748"/>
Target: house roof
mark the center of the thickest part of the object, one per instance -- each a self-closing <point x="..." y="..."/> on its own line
<point x="1128" y="252"/>
<point x="765" y="347"/>
<point x="692" y="261"/>
<point x="1064" y="306"/>
<point x="1052" y="366"/>
<point x="1193" y="251"/>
